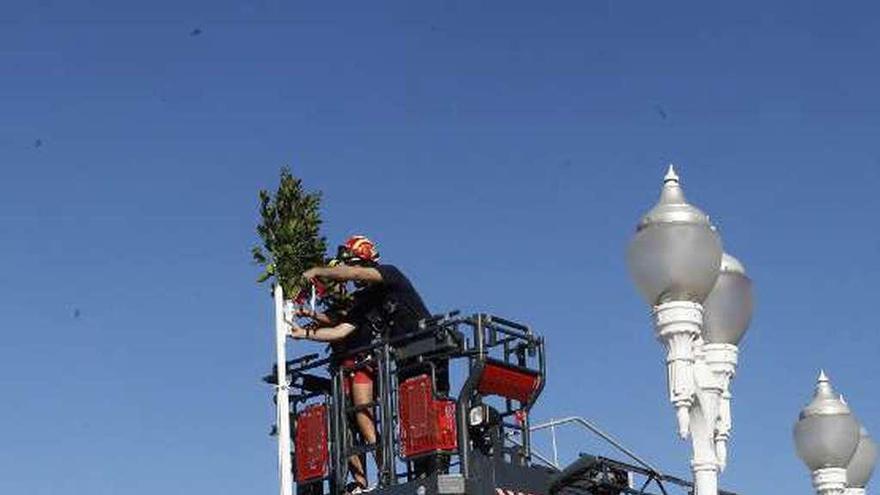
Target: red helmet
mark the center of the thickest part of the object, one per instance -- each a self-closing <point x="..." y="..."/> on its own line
<point x="358" y="248"/>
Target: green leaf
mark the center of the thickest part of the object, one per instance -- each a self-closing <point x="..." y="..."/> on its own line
<point x="258" y="256"/>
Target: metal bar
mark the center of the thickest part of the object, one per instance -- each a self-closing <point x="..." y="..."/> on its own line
<point x="478" y="336"/>
<point x="608" y="438"/>
<point x="341" y="456"/>
<point x="334" y="433"/>
<point x="505" y="340"/>
<point x="555" y="450"/>
<point x="464" y="398"/>
<point x="512" y="332"/>
<point x="293" y="367"/>
<point x="657" y="477"/>
<point x="511" y="324"/>
<point x="401" y="338"/>
<point x="662" y="488"/>
<point x="387" y="438"/>
<point x="508" y="404"/>
<point x="645" y="485"/>
<point x="537" y="455"/>
<point x="438" y="318"/>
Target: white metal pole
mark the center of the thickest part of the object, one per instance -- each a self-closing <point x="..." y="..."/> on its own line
<point x="704" y="462"/>
<point x="282" y="398"/>
<point x="313" y="301"/>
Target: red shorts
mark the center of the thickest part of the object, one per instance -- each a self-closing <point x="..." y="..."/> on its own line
<point x="364" y="375"/>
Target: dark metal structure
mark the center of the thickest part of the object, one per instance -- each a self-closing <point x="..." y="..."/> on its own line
<point x="431" y="441"/>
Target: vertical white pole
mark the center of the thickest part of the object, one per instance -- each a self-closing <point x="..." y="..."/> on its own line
<point x="555" y="451"/>
<point x="282" y="398"/>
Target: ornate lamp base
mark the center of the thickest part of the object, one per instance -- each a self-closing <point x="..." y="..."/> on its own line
<point x="830" y="481"/>
<point x="678" y="325"/>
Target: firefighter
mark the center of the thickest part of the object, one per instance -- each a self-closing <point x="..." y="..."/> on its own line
<point x="342" y="330"/>
<point x="387" y="303"/>
<point x="337" y="306"/>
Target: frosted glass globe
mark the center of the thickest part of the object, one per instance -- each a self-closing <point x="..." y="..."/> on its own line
<point x="676" y="253"/>
<point x="674" y="261"/>
<point x="861" y="466"/>
<point x="826" y="434"/>
<point x="727" y="311"/>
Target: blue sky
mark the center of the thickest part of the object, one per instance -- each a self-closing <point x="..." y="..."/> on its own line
<point x="501" y="153"/>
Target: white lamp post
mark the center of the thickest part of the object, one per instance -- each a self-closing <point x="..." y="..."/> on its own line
<point x="861" y="466"/>
<point x="826" y="436"/>
<point x="727" y="313"/>
<point x="282" y="395"/>
<point x="675" y="259"/>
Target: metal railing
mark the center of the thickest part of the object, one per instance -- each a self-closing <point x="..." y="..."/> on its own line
<point x="588" y="425"/>
<point x="652" y="475"/>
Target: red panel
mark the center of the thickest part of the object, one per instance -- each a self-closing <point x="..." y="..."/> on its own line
<point x="310" y="443"/>
<point x="426" y="424"/>
<point x="508" y="382"/>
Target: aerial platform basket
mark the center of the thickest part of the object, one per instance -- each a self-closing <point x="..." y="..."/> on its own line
<point x="471" y="439"/>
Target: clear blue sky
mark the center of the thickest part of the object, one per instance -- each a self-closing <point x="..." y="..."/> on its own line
<point x="499" y="152"/>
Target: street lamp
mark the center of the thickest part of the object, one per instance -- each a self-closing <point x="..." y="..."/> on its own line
<point x="727" y="312"/>
<point x="826" y="436"/>
<point x="861" y="466"/>
<point x="675" y="259"/>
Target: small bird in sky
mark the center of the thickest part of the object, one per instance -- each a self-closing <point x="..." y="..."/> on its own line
<point x="38" y="143"/>
<point x="195" y="32"/>
<point x="660" y="111"/>
<point x="76" y="313"/>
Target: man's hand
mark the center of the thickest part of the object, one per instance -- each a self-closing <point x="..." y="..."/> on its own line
<point x="298" y="332"/>
<point x="305" y="313"/>
<point x="313" y="273"/>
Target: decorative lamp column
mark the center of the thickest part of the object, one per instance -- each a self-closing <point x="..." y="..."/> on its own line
<point x="674" y="260"/>
<point x="826" y="436"/>
<point x="861" y="466"/>
<point x="726" y="317"/>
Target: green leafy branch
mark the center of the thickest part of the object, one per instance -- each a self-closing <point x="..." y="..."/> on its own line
<point x="290" y="230"/>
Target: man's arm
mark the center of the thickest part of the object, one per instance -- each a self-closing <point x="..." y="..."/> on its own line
<point x="318" y="317"/>
<point x="343" y="273"/>
<point x="322" y="334"/>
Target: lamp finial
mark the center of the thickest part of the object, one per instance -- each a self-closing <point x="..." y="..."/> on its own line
<point x="671" y="176"/>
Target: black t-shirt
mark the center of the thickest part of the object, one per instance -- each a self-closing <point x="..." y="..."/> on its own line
<point x="365" y="318"/>
<point x="392" y="305"/>
<point x="403" y="306"/>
